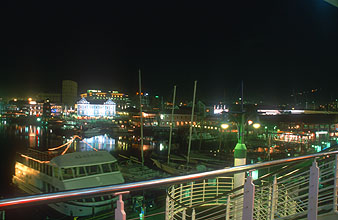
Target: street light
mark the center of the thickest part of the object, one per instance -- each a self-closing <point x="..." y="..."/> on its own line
<point x="224" y="126"/>
<point x="256" y="125"/>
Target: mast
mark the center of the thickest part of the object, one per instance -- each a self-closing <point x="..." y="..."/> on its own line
<point x="241" y="127"/>
<point x="191" y="121"/>
<point x="141" y="116"/>
<point x="171" y="123"/>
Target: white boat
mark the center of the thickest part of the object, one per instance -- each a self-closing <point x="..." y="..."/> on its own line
<point x="40" y="172"/>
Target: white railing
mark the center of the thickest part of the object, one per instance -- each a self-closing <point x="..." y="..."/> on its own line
<point x="303" y="190"/>
<point x="298" y="191"/>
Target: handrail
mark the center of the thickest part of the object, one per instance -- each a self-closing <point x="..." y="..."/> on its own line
<point x="111" y="189"/>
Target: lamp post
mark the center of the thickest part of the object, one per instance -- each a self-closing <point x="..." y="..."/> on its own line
<point x="240" y="153"/>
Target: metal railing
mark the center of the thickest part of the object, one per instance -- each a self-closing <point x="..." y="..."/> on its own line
<point x="200" y="198"/>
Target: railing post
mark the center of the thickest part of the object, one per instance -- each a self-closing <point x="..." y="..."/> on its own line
<point x="335" y="189"/>
<point x="313" y="192"/>
<point x="193" y="214"/>
<point x="192" y="191"/>
<point x="203" y="190"/>
<point x="184" y="214"/>
<point x="274" y="195"/>
<point x="227" y="215"/>
<point x="167" y="208"/>
<point x="181" y="191"/>
<point x="286" y="205"/>
<point x="217" y="185"/>
<point x="120" y="214"/>
<point x="172" y="203"/>
<point x="269" y="197"/>
<point x="248" y="198"/>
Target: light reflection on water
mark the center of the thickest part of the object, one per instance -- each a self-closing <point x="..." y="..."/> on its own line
<point x="101" y="142"/>
<point x="43" y="138"/>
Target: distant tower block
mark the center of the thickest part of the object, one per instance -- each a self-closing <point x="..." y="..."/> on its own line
<point x="69" y="92"/>
<point x="332" y="2"/>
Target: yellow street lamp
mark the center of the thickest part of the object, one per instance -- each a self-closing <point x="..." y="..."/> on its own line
<point x="224" y="126"/>
<point x="256" y="125"/>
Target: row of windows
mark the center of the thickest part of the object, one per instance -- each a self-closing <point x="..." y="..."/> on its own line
<point x="42" y="167"/>
<point x="49" y="187"/>
<point x="95" y="107"/>
<point x="74" y="172"/>
<point x="113" y="98"/>
<point x="97" y="112"/>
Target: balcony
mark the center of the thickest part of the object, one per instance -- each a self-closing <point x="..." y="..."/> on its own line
<point x="302" y="187"/>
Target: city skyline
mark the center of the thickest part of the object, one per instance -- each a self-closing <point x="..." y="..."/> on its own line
<point x="277" y="49"/>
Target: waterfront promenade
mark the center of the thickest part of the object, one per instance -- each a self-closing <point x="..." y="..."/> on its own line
<point x="301" y="188"/>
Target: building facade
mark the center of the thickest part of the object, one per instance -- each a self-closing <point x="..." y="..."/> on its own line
<point x="69" y="93"/>
<point x="97" y="108"/>
<point x="121" y="100"/>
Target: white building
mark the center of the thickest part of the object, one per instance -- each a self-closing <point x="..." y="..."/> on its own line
<point x="96" y="108"/>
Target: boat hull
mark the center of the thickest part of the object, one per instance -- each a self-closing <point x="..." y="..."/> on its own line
<point x="70" y="208"/>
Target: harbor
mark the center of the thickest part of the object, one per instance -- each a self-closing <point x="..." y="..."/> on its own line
<point x="178" y="111"/>
<point x="207" y="154"/>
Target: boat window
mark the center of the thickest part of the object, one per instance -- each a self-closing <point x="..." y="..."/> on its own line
<point x="97" y="199"/>
<point x="106" y="168"/>
<point x="56" y="172"/>
<point x="89" y="200"/>
<point x="44" y="168"/>
<point x="92" y="170"/>
<point x="114" y="167"/>
<point x="67" y="173"/>
<point x="50" y="171"/>
<point x="80" y="171"/>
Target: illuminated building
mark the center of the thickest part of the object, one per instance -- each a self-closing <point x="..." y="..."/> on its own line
<point x="219" y="109"/>
<point x="2" y="107"/>
<point x="46" y="109"/>
<point x="121" y="100"/>
<point x="96" y="108"/>
<point x="69" y="92"/>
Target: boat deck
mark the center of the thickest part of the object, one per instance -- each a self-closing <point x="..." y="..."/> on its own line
<point x="40" y="155"/>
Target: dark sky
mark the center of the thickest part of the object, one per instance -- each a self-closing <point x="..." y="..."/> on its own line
<point x="276" y="47"/>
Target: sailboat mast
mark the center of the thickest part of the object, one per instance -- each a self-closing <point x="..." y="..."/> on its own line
<point x="171" y="123"/>
<point x="191" y="121"/>
<point x="141" y="116"/>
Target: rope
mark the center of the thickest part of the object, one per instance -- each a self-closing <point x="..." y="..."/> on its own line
<point x="89" y="145"/>
<point x="55" y="148"/>
<point x="69" y="143"/>
<point x="31" y="158"/>
<point x="66" y="148"/>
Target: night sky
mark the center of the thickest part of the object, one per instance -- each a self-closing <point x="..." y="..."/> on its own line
<point x="276" y="47"/>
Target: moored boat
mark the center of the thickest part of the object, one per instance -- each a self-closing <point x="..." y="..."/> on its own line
<point x="178" y="168"/>
<point x="43" y="172"/>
